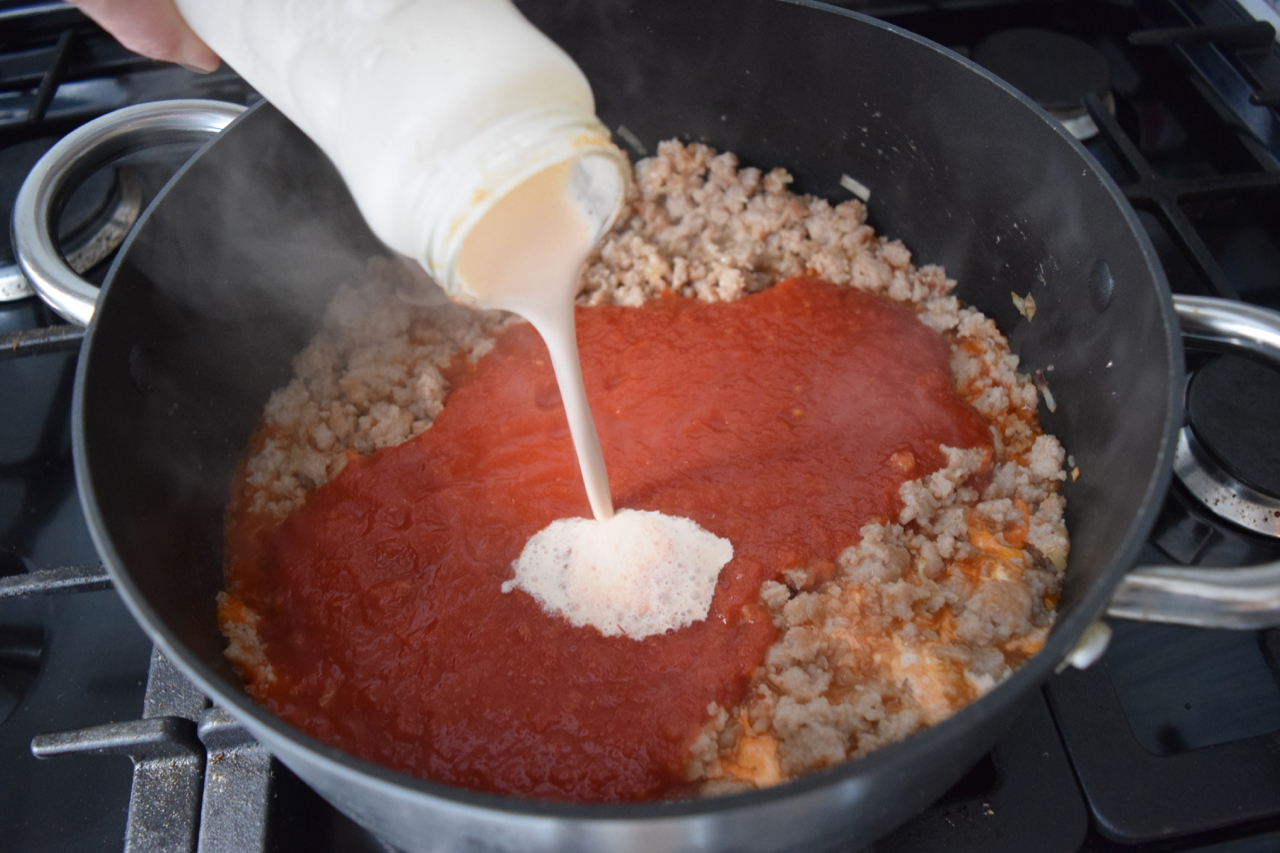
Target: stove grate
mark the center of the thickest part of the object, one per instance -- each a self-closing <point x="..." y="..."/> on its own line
<point x="49" y="339"/>
<point x="200" y="781"/>
<point x="1164" y="196"/>
<point x="1226" y="47"/>
<point x="84" y="578"/>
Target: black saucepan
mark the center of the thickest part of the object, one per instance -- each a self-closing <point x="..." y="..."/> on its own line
<point x="227" y="277"/>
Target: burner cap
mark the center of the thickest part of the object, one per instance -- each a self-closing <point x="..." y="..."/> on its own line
<point x="1054" y="70"/>
<point x="1233" y="405"/>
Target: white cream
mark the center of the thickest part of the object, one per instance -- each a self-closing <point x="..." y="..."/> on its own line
<point x="638" y="574"/>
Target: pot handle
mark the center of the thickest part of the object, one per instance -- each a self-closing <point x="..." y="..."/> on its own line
<point x="76" y="156"/>
<point x="1244" y="598"/>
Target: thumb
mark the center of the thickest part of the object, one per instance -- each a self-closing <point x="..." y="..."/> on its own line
<point x="152" y="28"/>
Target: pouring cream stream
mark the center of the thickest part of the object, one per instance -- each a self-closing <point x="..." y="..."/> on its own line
<point x="636" y="573"/>
<point x="470" y="143"/>
<point x="525" y="257"/>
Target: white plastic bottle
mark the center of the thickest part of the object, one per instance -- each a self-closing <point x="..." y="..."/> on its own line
<point x="467" y="138"/>
<point x="432" y="110"/>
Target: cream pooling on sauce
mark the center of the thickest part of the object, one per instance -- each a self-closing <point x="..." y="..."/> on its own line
<point x="664" y="581"/>
<point x="636" y="573"/>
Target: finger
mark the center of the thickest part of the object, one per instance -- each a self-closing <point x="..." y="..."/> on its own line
<point x="152" y="28"/>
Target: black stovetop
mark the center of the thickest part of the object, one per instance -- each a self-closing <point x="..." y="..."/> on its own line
<point x="1170" y="743"/>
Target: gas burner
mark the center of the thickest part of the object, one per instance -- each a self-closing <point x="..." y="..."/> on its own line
<point x="1054" y="70"/>
<point x="97" y="218"/>
<point x="1227" y="457"/>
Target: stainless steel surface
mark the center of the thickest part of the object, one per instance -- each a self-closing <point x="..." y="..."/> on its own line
<point x="1247" y="598"/>
<point x="92" y="249"/>
<point x="1243" y="599"/>
<point x="76" y="156"/>
<point x="1224" y="325"/>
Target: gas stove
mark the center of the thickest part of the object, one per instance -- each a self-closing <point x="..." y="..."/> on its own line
<point x="1170" y="743"/>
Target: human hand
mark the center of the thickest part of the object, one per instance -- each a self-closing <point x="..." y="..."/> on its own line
<point x="153" y="28"/>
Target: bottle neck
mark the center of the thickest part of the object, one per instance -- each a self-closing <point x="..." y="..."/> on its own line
<point x="468" y="184"/>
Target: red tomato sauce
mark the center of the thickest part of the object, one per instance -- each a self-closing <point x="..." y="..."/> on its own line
<point x="783" y="422"/>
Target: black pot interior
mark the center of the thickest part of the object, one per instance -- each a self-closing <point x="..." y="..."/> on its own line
<point x="226" y="279"/>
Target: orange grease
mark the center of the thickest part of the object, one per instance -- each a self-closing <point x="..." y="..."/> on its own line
<point x="779" y="422"/>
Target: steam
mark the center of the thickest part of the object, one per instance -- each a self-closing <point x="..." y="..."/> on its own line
<point x="259" y="225"/>
<point x="226" y="279"/>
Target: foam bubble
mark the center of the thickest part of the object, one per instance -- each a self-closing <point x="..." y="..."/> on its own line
<point x="639" y="573"/>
